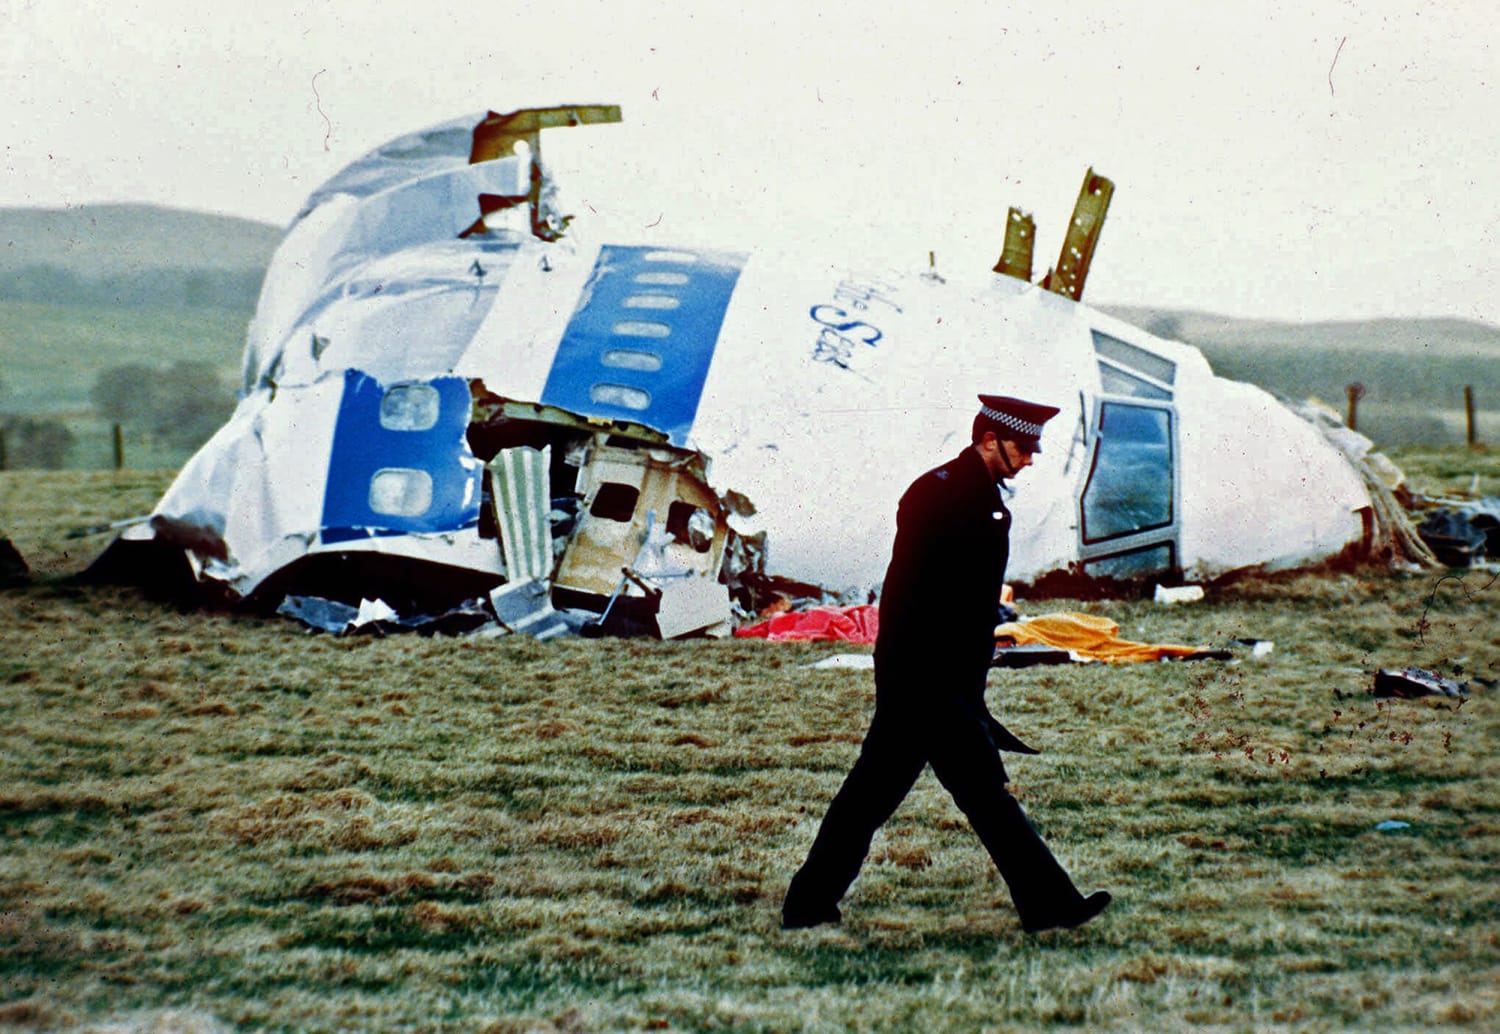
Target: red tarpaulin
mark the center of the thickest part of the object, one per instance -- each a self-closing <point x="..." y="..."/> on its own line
<point x="844" y="624"/>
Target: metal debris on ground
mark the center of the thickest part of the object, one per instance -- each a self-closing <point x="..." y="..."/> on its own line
<point x="1463" y="533"/>
<point x="1260" y="649"/>
<point x="375" y="617"/>
<point x="1415" y="682"/>
<point x="1178" y="594"/>
<point x="846" y="661"/>
<point x="1029" y="655"/>
<point x="525" y="607"/>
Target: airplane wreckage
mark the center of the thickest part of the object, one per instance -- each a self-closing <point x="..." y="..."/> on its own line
<point x="448" y="398"/>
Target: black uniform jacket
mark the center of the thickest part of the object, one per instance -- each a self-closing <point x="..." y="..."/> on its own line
<point x="939" y="603"/>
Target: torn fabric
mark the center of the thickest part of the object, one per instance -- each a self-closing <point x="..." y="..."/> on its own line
<point x="858" y="624"/>
<point x="1089" y="637"/>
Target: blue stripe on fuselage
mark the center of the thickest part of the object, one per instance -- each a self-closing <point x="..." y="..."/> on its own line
<point x="640" y="343"/>
<point x="362" y="447"/>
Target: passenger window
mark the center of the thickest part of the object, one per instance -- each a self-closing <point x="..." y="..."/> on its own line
<point x="620" y="395"/>
<point x="401" y="492"/>
<point x="631" y="359"/>
<point x="640" y="328"/>
<point x="410" y="407"/>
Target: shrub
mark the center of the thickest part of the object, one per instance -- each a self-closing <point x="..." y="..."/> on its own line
<point x="33" y="442"/>
<point x="180" y="405"/>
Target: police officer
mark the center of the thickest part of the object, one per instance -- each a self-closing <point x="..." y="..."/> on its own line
<point x="938" y="612"/>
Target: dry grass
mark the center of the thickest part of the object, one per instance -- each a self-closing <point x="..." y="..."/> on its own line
<point x="211" y="821"/>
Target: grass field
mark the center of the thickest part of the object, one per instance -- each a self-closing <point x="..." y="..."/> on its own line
<point x="211" y="822"/>
<point x="54" y="353"/>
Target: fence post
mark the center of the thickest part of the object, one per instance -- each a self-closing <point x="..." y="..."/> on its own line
<point x="119" y="448"/>
<point x="1355" y="391"/>
<point x="1473" y="434"/>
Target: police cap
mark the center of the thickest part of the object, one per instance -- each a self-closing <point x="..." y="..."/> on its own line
<point x="1016" y="419"/>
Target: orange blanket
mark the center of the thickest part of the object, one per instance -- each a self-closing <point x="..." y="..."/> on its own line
<point x="1086" y="635"/>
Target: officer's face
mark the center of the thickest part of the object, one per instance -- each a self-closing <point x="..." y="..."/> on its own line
<point x="1003" y="458"/>
<point x="1016" y="456"/>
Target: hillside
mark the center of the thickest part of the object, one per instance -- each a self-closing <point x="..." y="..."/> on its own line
<point x="104" y="240"/>
<point x="132" y="256"/>
<point x="1413" y="371"/>
<point x="1430" y="336"/>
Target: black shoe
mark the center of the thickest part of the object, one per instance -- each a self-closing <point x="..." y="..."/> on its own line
<point x="1086" y="909"/>
<point x="803" y="920"/>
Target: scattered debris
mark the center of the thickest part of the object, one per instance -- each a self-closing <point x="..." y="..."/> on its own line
<point x="1062" y="638"/>
<point x="321" y="615"/>
<point x="1415" y="682"/>
<point x="1391" y="824"/>
<point x="525" y="607"/>
<point x="692" y="604"/>
<point x="1260" y="649"/>
<point x="848" y="661"/>
<point x="376" y="617"/>
<point x="1029" y="655"/>
<point x="1462" y="534"/>
<point x="1178" y="594"/>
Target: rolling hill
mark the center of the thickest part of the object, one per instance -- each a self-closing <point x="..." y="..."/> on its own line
<point x="1413" y="371"/>
<point x="93" y="287"/>
<point x="1431" y="336"/>
<point x="132" y="256"/>
<point x="105" y="240"/>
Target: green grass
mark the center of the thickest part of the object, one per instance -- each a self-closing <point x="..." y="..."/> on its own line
<point x="210" y="819"/>
<point x="54" y="353"/>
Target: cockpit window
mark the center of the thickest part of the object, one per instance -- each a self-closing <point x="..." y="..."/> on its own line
<point x="1130" y="487"/>
<point x="1115" y="381"/>
<point x="1126" y="369"/>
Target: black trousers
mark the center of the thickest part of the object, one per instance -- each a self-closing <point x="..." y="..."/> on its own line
<point x="896" y="749"/>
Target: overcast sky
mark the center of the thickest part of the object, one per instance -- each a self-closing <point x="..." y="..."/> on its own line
<point x="1288" y="160"/>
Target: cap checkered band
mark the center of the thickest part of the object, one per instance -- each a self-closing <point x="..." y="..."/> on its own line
<point x="1015" y="423"/>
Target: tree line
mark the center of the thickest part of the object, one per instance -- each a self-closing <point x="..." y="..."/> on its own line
<point x="180" y="406"/>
